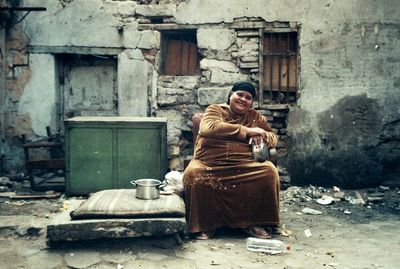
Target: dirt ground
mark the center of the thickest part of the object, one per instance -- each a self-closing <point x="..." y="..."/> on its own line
<point x="346" y="234"/>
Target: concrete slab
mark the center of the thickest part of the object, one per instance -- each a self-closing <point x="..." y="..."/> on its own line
<point x="62" y="228"/>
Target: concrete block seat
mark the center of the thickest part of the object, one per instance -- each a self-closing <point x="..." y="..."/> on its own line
<point x="117" y="213"/>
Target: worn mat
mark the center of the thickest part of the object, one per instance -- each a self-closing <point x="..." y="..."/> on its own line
<point x="122" y="203"/>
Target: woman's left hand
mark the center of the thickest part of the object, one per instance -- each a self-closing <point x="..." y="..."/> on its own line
<point x="271" y="140"/>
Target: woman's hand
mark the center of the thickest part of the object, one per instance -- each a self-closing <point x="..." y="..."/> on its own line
<point x="258" y="135"/>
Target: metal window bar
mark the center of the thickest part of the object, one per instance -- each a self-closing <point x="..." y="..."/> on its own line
<point x="279" y="70"/>
<point x="271" y="67"/>
<point x="288" y="67"/>
<point x="180" y="71"/>
<point x="195" y="57"/>
<point x="189" y="41"/>
<point x="278" y="52"/>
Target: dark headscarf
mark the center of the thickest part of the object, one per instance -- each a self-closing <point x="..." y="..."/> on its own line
<point x="242" y="86"/>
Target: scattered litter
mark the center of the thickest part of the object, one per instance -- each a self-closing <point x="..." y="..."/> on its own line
<point x="325" y="200"/>
<point x="374" y="199"/>
<point x="355" y="201"/>
<point x="215" y="263"/>
<point x="269" y="246"/>
<point x="19" y="203"/>
<point x="384" y="188"/>
<point x="213" y="248"/>
<point x="285" y="232"/>
<point x="307" y="233"/>
<point x="335" y="189"/>
<point x="4" y="189"/>
<point x="376" y="194"/>
<point x="339" y="195"/>
<point x="331" y="253"/>
<point x="5" y="182"/>
<point x="311" y="211"/>
<point x="119" y="266"/>
<point x="347" y="212"/>
<point x="229" y="246"/>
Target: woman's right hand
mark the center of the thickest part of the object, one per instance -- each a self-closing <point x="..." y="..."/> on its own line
<point x="256" y="131"/>
<point x="259" y="135"/>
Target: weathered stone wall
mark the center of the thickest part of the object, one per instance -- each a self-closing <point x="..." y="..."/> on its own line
<point x="344" y="129"/>
<point x="15" y="75"/>
<point x="2" y="85"/>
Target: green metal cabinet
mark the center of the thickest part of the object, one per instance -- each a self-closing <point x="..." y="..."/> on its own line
<point x="108" y="152"/>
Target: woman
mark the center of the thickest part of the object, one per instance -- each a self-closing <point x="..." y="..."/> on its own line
<point x="224" y="185"/>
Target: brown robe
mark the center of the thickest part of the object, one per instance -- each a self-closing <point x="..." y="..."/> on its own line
<point x="224" y="186"/>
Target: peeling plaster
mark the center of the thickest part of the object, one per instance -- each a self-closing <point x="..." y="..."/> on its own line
<point x="39" y="97"/>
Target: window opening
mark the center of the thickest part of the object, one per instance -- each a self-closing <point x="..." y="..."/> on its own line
<point x="180" y="54"/>
<point x="280" y="68"/>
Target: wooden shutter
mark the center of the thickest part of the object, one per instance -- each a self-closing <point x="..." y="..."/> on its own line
<point x="180" y="55"/>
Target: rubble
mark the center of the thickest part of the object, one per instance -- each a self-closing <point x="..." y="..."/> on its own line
<point x="341" y="200"/>
<point x="299" y="194"/>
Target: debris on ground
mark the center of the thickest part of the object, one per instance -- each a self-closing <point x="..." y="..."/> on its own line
<point x="299" y="194"/>
<point x="33" y="195"/>
<point x="311" y="211"/>
<point x="325" y="200"/>
<point x="323" y="238"/>
<point x="307" y="233"/>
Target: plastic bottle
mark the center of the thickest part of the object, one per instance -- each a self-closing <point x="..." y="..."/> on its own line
<point x="269" y="246"/>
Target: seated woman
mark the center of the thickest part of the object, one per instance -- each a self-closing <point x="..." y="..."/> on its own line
<point x="224" y="186"/>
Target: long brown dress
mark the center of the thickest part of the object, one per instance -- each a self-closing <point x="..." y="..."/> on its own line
<point x="224" y="186"/>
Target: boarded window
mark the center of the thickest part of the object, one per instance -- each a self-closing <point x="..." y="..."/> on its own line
<point x="180" y="56"/>
<point x="280" y="67"/>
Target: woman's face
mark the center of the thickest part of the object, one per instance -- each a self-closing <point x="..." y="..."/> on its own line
<point x="240" y="102"/>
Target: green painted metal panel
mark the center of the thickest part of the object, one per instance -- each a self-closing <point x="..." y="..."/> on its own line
<point x="90" y="159"/>
<point x="108" y="152"/>
<point x="139" y="155"/>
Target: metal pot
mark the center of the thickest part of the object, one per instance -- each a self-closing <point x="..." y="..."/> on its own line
<point x="147" y="188"/>
<point x="260" y="152"/>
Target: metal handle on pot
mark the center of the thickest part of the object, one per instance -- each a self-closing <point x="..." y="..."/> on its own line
<point x="162" y="185"/>
<point x="134" y="184"/>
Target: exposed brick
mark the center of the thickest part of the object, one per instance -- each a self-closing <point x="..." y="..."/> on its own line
<point x="16" y="58"/>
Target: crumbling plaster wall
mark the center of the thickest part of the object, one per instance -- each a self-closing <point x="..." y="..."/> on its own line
<point x="347" y="76"/>
<point x="345" y="129"/>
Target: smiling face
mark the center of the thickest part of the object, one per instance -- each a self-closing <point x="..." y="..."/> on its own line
<point x="240" y="102"/>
